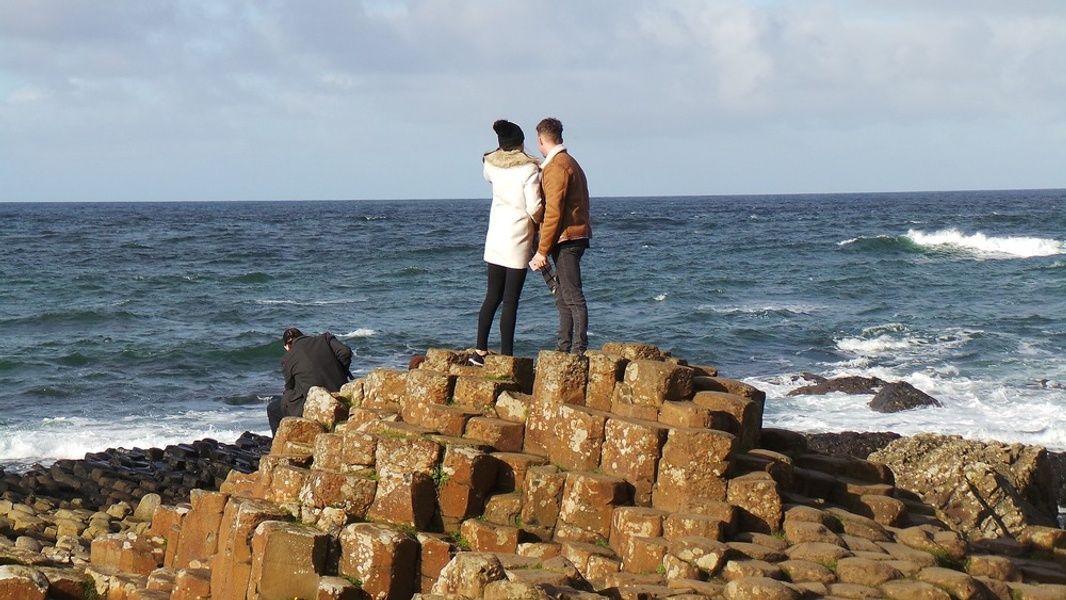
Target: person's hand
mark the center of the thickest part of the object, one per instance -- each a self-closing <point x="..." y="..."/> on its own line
<point x="539" y="262"/>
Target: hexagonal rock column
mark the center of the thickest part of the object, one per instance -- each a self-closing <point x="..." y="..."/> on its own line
<point x="324" y="407"/>
<point x="384" y="389"/>
<point x="630" y="521"/>
<point x="578" y="438"/>
<point x="468" y="573"/>
<point x="588" y="504"/>
<point x="427" y="392"/>
<point x="693" y="465"/>
<point x="166" y="523"/>
<point x="605" y="372"/>
<point x="295" y="437"/>
<point x="287" y="561"/>
<point x="436" y="552"/>
<point x="760" y="504"/>
<point x="405" y="491"/>
<point x="199" y="531"/>
<point x="631" y="450"/>
<point x="232" y="565"/>
<point x="346" y="451"/>
<point x="652" y="382"/>
<point x="511" y="368"/>
<point x="541" y="500"/>
<point x="126" y="552"/>
<point x="634" y="351"/>
<point x="738" y="415"/>
<point x="561" y="378"/>
<point x="23" y="583"/>
<point x="383" y="559"/>
<point x="467" y="475"/>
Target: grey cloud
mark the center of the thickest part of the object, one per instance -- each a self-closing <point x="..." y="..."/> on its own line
<point x="238" y="77"/>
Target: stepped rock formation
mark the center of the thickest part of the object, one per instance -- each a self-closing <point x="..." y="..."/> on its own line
<point x="626" y="474"/>
<point x="986" y="489"/>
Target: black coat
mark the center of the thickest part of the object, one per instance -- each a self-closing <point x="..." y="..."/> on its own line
<point x="312" y="360"/>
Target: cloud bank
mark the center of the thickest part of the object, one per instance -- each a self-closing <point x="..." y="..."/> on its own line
<point x="156" y="100"/>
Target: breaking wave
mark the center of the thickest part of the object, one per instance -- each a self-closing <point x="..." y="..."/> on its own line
<point x="952" y="240"/>
<point x="362" y="332"/>
<point x="981" y="244"/>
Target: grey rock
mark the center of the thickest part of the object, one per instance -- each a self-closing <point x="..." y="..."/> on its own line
<point x="845" y="385"/>
<point x="894" y="397"/>
<point x="979" y="489"/>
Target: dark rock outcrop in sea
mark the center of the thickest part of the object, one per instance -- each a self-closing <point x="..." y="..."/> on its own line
<point x="845" y="385"/>
<point x="900" y="395"/>
<point x="850" y="443"/>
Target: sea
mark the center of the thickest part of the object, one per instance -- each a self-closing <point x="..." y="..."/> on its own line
<point x="146" y="324"/>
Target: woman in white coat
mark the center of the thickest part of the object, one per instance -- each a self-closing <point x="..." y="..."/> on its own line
<point x="517" y="208"/>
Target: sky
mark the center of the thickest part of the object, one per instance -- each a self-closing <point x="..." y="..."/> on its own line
<point x="197" y="100"/>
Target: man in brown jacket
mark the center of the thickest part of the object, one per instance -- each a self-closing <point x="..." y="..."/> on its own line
<point x="564" y="233"/>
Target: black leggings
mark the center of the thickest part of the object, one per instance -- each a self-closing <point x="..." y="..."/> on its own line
<point x="505" y="286"/>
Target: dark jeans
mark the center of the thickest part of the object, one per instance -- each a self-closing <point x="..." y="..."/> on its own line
<point x="570" y="299"/>
<point x="275" y="413"/>
<point x="505" y="287"/>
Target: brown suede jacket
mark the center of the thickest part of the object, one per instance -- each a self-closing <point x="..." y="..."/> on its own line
<point x="566" y="203"/>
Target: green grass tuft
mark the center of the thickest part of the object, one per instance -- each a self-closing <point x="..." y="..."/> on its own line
<point x="460" y="540"/>
<point x="943" y="559"/>
<point x="439" y="476"/>
<point x="88" y="590"/>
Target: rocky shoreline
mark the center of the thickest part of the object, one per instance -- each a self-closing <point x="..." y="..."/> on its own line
<point x="628" y="474"/>
<point x="101" y="479"/>
<point x="49" y="515"/>
<point x="863" y="444"/>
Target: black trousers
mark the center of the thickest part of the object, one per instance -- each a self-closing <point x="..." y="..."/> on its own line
<point x="505" y="287"/>
<point x="274" y="415"/>
<point x="570" y="298"/>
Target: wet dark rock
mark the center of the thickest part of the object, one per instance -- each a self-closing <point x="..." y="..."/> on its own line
<point x="850" y="443"/>
<point x="125" y="475"/>
<point x="1058" y="466"/>
<point x="846" y="385"/>
<point x="894" y="397"/>
<point x="808" y="376"/>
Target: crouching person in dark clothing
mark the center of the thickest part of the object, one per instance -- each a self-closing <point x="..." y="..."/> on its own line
<point x="309" y="361"/>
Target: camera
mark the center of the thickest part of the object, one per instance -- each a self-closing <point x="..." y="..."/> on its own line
<point x="550" y="278"/>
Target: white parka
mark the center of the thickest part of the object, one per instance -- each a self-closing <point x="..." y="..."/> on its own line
<point x="517" y="207"/>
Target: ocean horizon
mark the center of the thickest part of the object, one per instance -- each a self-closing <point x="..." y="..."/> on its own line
<point x="146" y="324"/>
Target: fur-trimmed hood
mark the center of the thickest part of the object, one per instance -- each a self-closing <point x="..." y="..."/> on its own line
<point x="507" y="159"/>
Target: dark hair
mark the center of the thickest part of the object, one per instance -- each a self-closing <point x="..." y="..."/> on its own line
<point x="552" y="129"/>
<point x="290" y="334"/>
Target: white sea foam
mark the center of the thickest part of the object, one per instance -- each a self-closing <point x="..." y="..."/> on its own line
<point x="310" y="302"/>
<point x="362" y="332"/>
<point x="878" y="345"/>
<point x="759" y="309"/>
<point x="853" y="240"/>
<point x="972" y="407"/>
<point x="895" y="342"/>
<point x="660" y="297"/>
<point x="72" y="437"/>
<point x="988" y="246"/>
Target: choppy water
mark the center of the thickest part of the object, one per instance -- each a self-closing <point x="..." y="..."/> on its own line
<point x="145" y="324"/>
